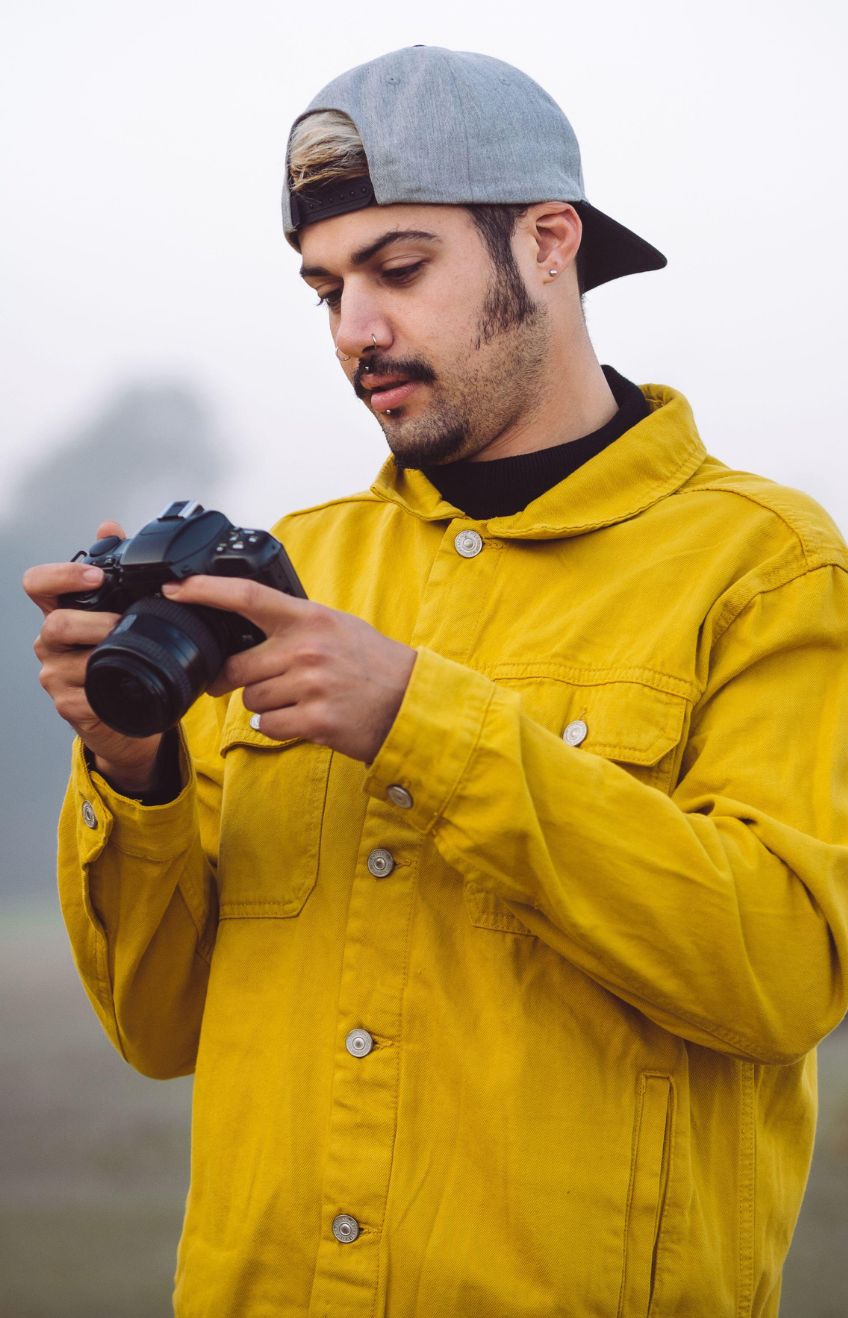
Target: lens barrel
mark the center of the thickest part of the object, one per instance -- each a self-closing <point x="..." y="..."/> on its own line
<point x="154" y="665"/>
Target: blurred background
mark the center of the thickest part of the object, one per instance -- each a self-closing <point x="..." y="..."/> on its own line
<point x="157" y="344"/>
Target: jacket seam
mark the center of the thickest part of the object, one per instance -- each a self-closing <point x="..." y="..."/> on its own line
<point x="797" y="534"/>
<point x="776" y="580"/>
<point x="439" y="814"/>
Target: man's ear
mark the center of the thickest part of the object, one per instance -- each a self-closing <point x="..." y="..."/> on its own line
<point x="556" y="231"/>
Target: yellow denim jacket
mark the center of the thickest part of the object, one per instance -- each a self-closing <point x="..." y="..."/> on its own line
<point x="520" y="1019"/>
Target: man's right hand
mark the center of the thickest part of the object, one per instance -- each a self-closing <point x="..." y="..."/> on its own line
<point x="63" y="646"/>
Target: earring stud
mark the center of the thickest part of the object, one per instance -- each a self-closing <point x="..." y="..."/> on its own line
<point x="553" y="273"/>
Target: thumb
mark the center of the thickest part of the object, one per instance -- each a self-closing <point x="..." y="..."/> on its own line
<point x="111" y="528"/>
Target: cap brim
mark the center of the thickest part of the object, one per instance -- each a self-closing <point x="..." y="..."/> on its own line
<point x="610" y="250"/>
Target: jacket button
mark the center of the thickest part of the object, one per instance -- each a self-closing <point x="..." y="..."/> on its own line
<point x="359" y="1043"/>
<point x="576" y="732"/>
<point x="468" y="543"/>
<point x="380" y="862"/>
<point x="345" y="1228"/>
<point x="89" y="818"/>
<point x="399" y="796"/>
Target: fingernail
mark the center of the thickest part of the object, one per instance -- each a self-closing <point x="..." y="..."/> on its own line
<point x="92" y="574"/>
<point x="170" y="588"/>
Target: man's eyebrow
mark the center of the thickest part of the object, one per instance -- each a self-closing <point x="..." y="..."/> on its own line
<point x="365" y="253"/>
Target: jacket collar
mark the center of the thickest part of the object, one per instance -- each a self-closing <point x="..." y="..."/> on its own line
<point x="647" y="463"/>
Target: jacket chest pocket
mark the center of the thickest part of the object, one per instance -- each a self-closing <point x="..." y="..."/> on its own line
<point x="271" y="819"/>
<point x="639" y="726"/>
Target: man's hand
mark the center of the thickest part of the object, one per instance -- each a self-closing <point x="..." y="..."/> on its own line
<point x="63" y="645"/>
<point x="322" y="675"/>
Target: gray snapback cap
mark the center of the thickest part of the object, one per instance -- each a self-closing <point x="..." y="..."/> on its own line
<point x="456" y="128"/>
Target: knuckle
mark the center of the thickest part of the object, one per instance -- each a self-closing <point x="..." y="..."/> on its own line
<point x="67" y="706"/>
<point x="318" y="724"/>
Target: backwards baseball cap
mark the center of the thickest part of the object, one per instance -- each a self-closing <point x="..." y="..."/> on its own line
<point x="454" y="128"/>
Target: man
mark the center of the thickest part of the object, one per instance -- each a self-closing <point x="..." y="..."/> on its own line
<point x="498" y="899"/>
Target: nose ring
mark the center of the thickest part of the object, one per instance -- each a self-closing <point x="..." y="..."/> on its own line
<point x="374" y="339"/>
<point x="343" y="357"/>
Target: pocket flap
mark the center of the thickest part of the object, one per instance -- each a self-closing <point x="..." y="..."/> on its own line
<point x="624" y="719"/>
<point x="629" y="721"/>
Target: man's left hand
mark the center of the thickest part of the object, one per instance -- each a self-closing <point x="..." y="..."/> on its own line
<point x="322" y="675"/>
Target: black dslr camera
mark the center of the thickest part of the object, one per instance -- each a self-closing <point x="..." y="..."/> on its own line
<point x="163" y="655"/>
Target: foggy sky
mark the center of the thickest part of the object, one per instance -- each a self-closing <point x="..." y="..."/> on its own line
<point x="141" y="157"/>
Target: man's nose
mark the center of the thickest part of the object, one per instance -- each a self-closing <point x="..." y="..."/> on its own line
<point x="361" y="327"/>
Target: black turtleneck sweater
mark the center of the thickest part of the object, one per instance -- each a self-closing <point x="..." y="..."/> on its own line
<point x="506" y="485"/>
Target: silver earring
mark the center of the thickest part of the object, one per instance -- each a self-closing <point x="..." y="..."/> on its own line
<point x="553" y="273"/>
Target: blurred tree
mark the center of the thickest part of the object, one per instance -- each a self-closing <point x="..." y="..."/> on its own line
<point x="150" y="444"/>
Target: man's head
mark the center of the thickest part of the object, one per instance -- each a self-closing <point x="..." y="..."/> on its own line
<point x="417" y="190"/>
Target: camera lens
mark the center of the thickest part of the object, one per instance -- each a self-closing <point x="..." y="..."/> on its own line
<point x="154" y="665"/>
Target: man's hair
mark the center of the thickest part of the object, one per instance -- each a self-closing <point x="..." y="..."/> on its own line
<point x="326" y="146"/>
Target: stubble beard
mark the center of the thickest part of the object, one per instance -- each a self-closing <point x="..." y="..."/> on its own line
<point x="495" y="387"/>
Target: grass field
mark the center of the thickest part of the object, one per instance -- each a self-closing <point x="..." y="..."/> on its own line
<point x="94" y="1159"/>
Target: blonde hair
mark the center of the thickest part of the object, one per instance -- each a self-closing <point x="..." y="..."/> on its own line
<point x="325" y="146"/>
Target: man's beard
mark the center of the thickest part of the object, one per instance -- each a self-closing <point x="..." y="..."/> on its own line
<point x="481" y="403"/>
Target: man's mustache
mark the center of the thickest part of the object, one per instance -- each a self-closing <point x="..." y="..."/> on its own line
<point x="410" y="368"/>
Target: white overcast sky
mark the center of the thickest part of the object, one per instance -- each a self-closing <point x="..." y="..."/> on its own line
<point x="141" y="160"/>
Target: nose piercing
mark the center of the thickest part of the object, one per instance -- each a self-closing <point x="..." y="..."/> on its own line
<point x="342" y="356"/>
<point x="374" y="339"/>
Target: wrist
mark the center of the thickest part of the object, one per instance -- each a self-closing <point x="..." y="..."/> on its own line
<point x="135" y="769"/>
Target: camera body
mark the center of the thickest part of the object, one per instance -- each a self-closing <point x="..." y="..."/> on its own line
<point x="162" y="655"/>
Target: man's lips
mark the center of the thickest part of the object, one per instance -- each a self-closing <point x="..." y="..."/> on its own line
<point x="388" y="392"/>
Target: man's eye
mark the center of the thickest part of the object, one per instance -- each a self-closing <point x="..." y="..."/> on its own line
<point x="402" y="274"/>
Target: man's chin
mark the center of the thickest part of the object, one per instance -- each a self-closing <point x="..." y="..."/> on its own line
<point x="414" y="452"/>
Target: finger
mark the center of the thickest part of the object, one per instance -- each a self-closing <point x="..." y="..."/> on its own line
<point x="111" y="528"/>
<point x="68" y="629"/>
<point x="67" y="670"/>
<point x="270" y="658"/>
<point x="268" y="608"/>
<point x="46" y="582"/>
<point x="276" y="693"/>
<point x="281" y="724"/>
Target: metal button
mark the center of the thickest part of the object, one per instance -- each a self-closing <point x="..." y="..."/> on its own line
<point x="88" y="815"/>
<point x="399" y="796"/>
<point x="359" y="1043"/>
<point x="345" y="1228"/>
<point x="380" y="862"/>
<point x="468" y="543"/>
<point x="575" y="732"/>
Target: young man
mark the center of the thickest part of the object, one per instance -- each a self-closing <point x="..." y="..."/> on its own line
<point x="501" y="906"/>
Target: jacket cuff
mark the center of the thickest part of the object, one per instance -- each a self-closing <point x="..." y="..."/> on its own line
<point x="104" y="815"/>
<point x="426" y="753"/>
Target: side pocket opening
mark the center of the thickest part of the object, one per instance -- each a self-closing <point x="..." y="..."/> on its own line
<point x="646" y="1194"/>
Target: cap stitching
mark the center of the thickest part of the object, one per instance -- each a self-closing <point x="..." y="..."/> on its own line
<point x="455" y="82"/>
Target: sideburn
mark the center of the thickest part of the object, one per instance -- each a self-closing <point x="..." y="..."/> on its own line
<point x="507" y="302"/>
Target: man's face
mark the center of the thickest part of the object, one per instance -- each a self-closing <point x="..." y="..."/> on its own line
<point x="445" y="350"/>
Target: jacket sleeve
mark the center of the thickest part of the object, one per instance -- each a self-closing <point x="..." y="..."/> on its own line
<point x="720" y="911"/>
<point x="138" y="894"/>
